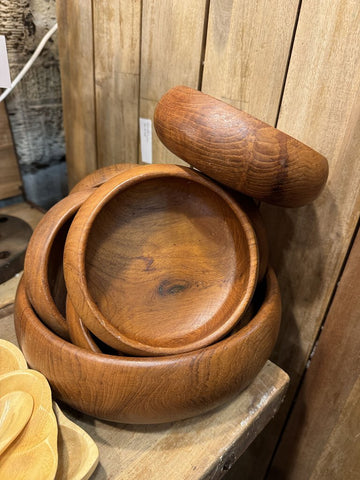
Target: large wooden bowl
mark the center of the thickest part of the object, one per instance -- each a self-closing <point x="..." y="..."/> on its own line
<point x="239" y="150"/>
<point x="160" y="260"/>
<point x="150" y="390"/>
<point x="43" y="267"/>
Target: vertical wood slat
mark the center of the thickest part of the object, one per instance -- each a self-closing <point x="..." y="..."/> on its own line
<point x="171" y="49"/>
<point x="117" y="64"/>
<point x="321" y="107"/>
<point x="10" y="181"/>
<point x="246" y="55"/>
<point x="321" y="439"/>
<point x="75" y="38"/>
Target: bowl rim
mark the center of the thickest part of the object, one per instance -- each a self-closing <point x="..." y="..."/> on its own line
<point x="75" y="253"/>
<point x="37" y="259"/>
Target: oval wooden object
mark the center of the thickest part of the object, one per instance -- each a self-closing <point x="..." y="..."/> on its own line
<point x="43" y="269"/>
<point x="14" y="238"/>
<point x="15" y="411"/>
<point x="239" y="150"/>
<point x="11" y="358"/>
<point x="77" y="451"/>
<point x="33" y="454"/>
<point x="100" y="176"/>
<point x="150" y="390"/>
<point x="160" y="260"/>
<point x="79" y="334"/>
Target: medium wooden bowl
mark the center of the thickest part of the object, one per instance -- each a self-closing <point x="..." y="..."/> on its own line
<point x="160" y="260"/>
<point x="239" y="150"/>
<point x="43" y="268"/>
<point x="150" y="390"/>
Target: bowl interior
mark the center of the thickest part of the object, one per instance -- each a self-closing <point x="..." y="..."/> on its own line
<point x="167" y="261"/>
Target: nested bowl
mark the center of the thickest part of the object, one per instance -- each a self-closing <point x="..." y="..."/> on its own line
<point x="150" y="390"/>
<point x="43" y="267"/>
<point x="160" y="260"/>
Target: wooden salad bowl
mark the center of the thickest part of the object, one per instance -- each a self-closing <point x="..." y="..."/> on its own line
<point x="102" y="175"/>
<point x="150" y="390"/>
<point x="160" y="260"/>
<point x="239" y="150"/>
<point x="43" y="269"/>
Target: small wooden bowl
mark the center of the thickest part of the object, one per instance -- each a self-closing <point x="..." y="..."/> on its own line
<point x="100" y="176"/>
<point x="159" y="261"/>
<point x="43" y="269"/>
<point x="150" y="390"/>
<point x="239" y="150"/>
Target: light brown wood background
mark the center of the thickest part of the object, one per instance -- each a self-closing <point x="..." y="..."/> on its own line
<point x="294" y="64"/>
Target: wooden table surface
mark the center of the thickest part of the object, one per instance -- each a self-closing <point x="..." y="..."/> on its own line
<point x="204" y="447"/>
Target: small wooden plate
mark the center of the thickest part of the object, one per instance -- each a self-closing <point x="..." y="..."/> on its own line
<point x="160" y="260"/>
<point x="78" y="453"/>
<point x="38" y="439"/>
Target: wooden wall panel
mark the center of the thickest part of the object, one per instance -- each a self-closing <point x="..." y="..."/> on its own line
<point x="75" y="37"/>
<point x="321" y="107"/>
<point x="171" y="49"/>
<point x="117" y="65"/>
<point x="10" y="181"/>
<point x="247" y="49"/>
<point x="322" y="437"/>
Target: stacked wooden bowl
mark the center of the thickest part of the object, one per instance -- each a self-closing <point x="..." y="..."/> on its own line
<point x="147" y="295"/>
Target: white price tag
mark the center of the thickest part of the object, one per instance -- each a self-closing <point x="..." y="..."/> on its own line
<point x="146" y="140"/>
<point x="5" y="80"/>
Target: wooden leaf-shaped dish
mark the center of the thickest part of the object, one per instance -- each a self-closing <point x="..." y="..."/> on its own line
<point x="11" y="358"/>
<point x="78" y="453"/>
<point x="15" y="411"/>
<point x="33" y="454"/>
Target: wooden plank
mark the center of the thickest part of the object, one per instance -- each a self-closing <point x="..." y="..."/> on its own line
<point x="321" y="439"/>
<point x="247" y="50"/>
<point x="117" y="66"/>
<point x="204" y="447"/>
<point x="171" y="48"/>
<point x="10" y="181"/>
<point x="321" y="107"/>
<point x="75" y="38"/>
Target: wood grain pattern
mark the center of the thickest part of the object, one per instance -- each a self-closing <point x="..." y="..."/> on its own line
<point x="176" y="450"/>
<point x="150" y="389"/>
<point x="176" y="237"/>
<point x="10" y="181"/>
<point x="247" y="48"/>
<point x="171" y="47"/>
<point x="43" y="269"/>
<point x="239" y="150"/>
<point x="116" y="31"/>
<point x="15" y="411"/>
<point x="324" y="113"/>
<point x="78" y="453"/>
<point x="327" y="411"/>
<point x="75" y="38"/>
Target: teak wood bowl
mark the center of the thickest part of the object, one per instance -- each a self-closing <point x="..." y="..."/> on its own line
<point x="150" y="390"/>
<point x="160" y="260"/>
<point x="239" y="150"/>
<point x="43" y="268"/>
